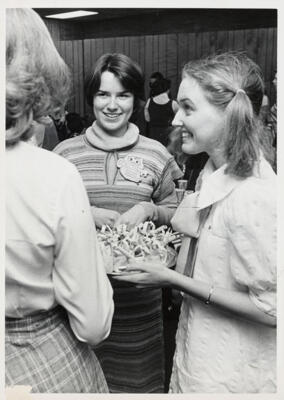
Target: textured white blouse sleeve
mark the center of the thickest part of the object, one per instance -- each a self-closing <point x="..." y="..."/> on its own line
<point x="252" y="226"/>
<point x="80" y="282"/>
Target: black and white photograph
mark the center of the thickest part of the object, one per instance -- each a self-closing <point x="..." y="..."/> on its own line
<point x="140" y="171"/>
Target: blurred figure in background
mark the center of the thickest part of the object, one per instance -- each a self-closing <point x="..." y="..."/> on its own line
<point x="272" y="117"/>
<point x="190" y="164"/>
<point x="269" y="134"/>
<point x="74" y="124"/>
<point x="160" y="111"/>
<point x="50" y="139"/>
<point x="155" y="76"/>
<point x="265" y="107"/>
<point x="138" y="118"/>
<point x="58" y="297"/>
<point x="44" y="134"/>
<point x="58" y="117"/>
<point x="37" y="136"/>
<point x="88" y="119"/>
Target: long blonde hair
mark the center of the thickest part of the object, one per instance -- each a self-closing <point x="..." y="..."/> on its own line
<point x="37" y="79"/>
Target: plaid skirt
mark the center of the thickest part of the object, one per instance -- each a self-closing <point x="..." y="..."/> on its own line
<point x="41" y="351"/>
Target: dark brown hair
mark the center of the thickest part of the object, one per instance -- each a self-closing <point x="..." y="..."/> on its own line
<point x="127" y="71"/>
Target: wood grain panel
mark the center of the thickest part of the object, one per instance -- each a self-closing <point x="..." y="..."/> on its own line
<point x="141" y="46"/>
<point x="198" y="45"/>
<point x="166" y="53"/>
<point x="69" y="53"/>
<point x="97" y="49"/>
<point x="171" y="61"/>
<point x="66" y="51"/>
<point x="78" y="76"/>
<point x="222" y="41"/>
<point x="212" y="42"/>
<point x="272" y="91"/>
<point x="231" y="40"/>
<point x="119" y="45"/>
<point x="54" y="30"/>
<point x="270" y="61"/>
<point x="239" y="40"/>
<point x="191" y="47"/>
<point x="182" y="54"/>
<point x="262" y="56"/>
<point x="205" y="44"/>
<point x="269" y="52"/>
<point x="87" y="60"/>
<point x="148" y="63"/>
<point x="163" y="54"/>
<point x="134" y="49"/>
<point x="155" y="53"/>
<point x="126" y="45"/>
<point x="109" y="45"/>
<point x="251" y="43"/>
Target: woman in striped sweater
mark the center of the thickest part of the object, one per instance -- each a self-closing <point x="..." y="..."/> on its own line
<point x="129" y="179"/>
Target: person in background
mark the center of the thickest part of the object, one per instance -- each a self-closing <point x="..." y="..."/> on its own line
<point x="138" y="118"/>
<point x="264" y="110"/>
<point x="74" y="124"/>
<point x="190" y="164"/>
<point x="129" y="179"/>
<point x="58" y="297"/>
<point x="44" y="134"/>
<point x="269" y="134"/>
<point x="155" y="76"/>
<point x="50" y="139"/>
<point x="58" y="117"/>
<point x="226" y="337"/>
<point x="37" y="136"/>
<point x="272" y="117"/>
<point x="160" y="111"/>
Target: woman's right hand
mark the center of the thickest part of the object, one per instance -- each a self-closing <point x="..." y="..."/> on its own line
<point x="103" y="216"/>
<point x="147" y="275"/>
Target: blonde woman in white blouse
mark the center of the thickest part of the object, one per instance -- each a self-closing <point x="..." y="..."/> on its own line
<point x="226" y="338"/>
<point x="58" y="297"/>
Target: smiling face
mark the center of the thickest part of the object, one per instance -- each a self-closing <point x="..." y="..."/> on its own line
<point x="112" y="105"/>
<point x="201" y="122"/>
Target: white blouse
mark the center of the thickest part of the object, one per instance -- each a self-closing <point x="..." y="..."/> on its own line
<point x="216" y="351"/>
<point x="52" y="253"/>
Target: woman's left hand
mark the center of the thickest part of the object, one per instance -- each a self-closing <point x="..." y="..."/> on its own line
<point x="144" y="274"/>
<point x="134" y="216"/>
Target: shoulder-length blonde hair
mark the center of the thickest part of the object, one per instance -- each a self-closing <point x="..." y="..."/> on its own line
<point x="37" y="79"/>
<point x="234" y="83"/>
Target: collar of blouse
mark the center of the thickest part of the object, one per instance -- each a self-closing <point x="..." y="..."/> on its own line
<point x="215" y="185"/>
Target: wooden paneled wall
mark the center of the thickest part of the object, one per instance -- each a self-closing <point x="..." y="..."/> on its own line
<point x="166" y="53"/>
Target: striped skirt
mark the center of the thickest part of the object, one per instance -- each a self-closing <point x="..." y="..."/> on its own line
<point x="42" y="352"/>
<point x="132" y="357"/>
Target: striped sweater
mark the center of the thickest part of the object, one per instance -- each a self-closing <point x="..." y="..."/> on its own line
<point x="132" y="357"/>
<point x="109" y="188"/>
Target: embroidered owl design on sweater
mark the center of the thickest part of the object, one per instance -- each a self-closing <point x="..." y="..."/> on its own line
<point x="132" y="168"/>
